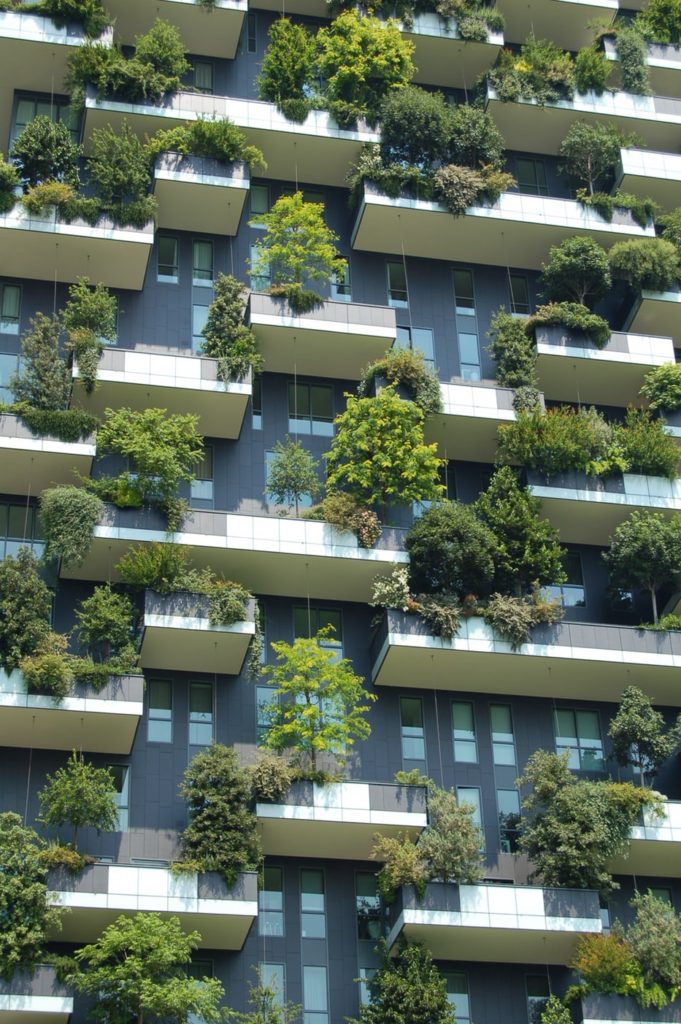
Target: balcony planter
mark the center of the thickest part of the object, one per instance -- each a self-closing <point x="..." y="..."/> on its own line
<point x="598" y="1008"/>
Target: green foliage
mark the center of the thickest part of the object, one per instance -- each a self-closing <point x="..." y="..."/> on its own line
<point x="119" y="171"/>
<point x="292" y="474"/>
<point x="642" y="210"/>
<point x="513" y="617"/>
<point x="671" y="228"/>
<point x="48" y="194"/>
<point x="228" y="602"/>
<point x="88" y="13"/>
<point x="156" y="566"/>
<point x="268" y="1006"/>
<point x="138" y="970"/>
<point x="474" y="139"/>
<point x="513" y="351"/>
<point x="271" y="776"/>
<point x="406" y="368"/>
<point x="345" y="513"/>
<point x="557" y="441"/>
<point x="287" y="68"/>
<point x="320" y="704"/>
<point x="407" y="989"/>
<point x="591" y="153"/>
<point x="633" y="57"/>
<point x="645" y="263"/>
<point x="25" y="608"/>
<point x="662" y="387"/>
<point x="416" y="126"/>
<point x="661" y="21"/>
<point x="215" y="138"/>
<point x="80" y="795"/>
<point x="391" y="591"/>
<point x="104" y="623"/>
<point x="47" y="671"/>
<point x="655" y="939"/>
<point x="89" y="318"/>
<point x="541" y="71"/>
<point x="44" y="152"/>
<point x="577" y="271"/>
<point x="592" y="70"/>
<point x="441" y="613"/>
<point x="458" y="187"/>
<point x="392" y="179"/>
<point x="639" y="734"/>
<point x="555" y="1012"/>
<point x="645" y="553"/>
<point x="402" y="864"/>
<point x="605" y="963"/>
<point x="9" y="180"/>
<point x="68" y="516"/>
<point x="450" y="551"/>
<point x="452" y="845"/>
<point x="24" y="908"/>
<point x="647" y="446"/>
<point x="45" y="380"/>
<point x="227" y="338"/>
<point x="222" y="832"/>
<point x="65" y="424"/>
<point x="574" y="317"/>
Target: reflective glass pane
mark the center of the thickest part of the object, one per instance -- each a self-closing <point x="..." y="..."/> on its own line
<point x="471" y="795"/>
<point x="411" y="712"/>
<point x="468" y="348"/>
<point x="314" y="989"/>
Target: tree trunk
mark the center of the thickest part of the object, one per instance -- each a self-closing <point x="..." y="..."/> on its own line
<point x="653" y="598"/>
<point x="74" y="840"/>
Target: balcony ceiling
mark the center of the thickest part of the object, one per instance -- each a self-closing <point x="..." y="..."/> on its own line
<point x="564" y="21"/>
<point x="209" y="32"/>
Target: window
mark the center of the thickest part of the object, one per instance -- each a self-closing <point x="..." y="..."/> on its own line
<point x="661" y="893"/>
<point x="315" y="998"/>
<point x="121" y="777"/>
<point x="251" y="33"/>
<point x="260" y="271"/>
<point x="580" y="733"/>
<point x="19" y="527"/>
<point x="538" y="992"/>
<point x="200" y="714"/>
<point x="531" y="176"/>
<point x="199" y="321"/>
<point x="341" y="286"/>
<point x="464" y="293"/>
<point x="571" y="594"/>
<point x="366" y="976"/>
<point x="10" y="308"/>
<point x="471" y="795"/>
<point x="160" y="717"/>
<point x="304" y="501"/>
<point x="271" y="903"/>
<point x="520" y="294"/>
<point x="265" y="697"/>
<point x="397" y="285"/>
<point x="204" y="76"/>
<point x="368" y="906"/>
<point x="457" y="995"/>
<point x="260" y="203"/>
<point x="310" y="195"/>
<point x="274" y="976"/>
<point x="463" y="728"/>
<point x="256" y="404"/>
<point x="201" y="491"/>
<point x="604" y="913"/>
<point x="508" y="808"/>
<point x="310" y="409"/>
<point x="417" y="339"/>
<point x="469" y="356"/>
<point x="312" y="904"/>
<point x="29" y="107"/>
<point x="202" y="263"/>
<point x="9" y="365"/>
<point x="167" y="256"/>
<point x="413" y="734"/>
<point x="503" y="745"/>
<point x="308" y="622"/>
<point x="198" y="970"/>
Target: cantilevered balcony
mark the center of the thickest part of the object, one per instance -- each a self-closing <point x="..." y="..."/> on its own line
<point x="443" y="58"/>
<point x="572" y="369"/>
<point x="529" y="127"/>
<point x="200" y="195"/>
<point x="268" y="554"/>
<point x="518" y="230"/>
<point x="563" y="21"/>
<point x="150" y="376"/>
<point x="655" y="846"/>
<point x="468" y="424"/>
<point x="29" y="463"/>
<point x="211" y="32"/>
<point x="101" y="721"/>
<point x="317" y="151"/>
<point x="336" y="340"/>
<point x="587" y="661"/>
<point x="340" y="820"/>
<point x="35" y="998"/>
<point x="45" y="248"/>
<point x="204" y="903"/>
<point x="658" y="312"/>
<point x="647" y="173"/>
<point x="587" y="510"/>
<point x="664" y="67"/>
<point x="178" y="635"/>
<point x="597" y="1008"/>
<point x="495" y="923"/>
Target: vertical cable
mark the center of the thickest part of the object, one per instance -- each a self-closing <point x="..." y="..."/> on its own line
<point x="28" y="778"/>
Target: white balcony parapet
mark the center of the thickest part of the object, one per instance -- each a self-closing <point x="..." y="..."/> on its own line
<point x="468" y="424"/>
<point x="442" y="57"/>
<point x="649" y="173"/>
<point x="200" y="195"/>
<point x="564" y="21"/>
<point x="655" y="844"/>
<point x="30" y="463"/>
<point x="36" y="997"/>
<point x="657" y="312"/>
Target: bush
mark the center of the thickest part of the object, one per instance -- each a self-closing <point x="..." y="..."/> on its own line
<point x="458" y="187"/>
<point x="605" y="963"/>
<point x="68" y="516"/>
<point x="402" y="367"/>
<point x="228" y="602"/>
<point x="643" y="211"/>
<point x="645" y="263"/>
<point x="67" y="425"/>
<point x="44" y="152"/>
<point x="442" y="614"/>
<point x="512" y="351"/>
<point x="474" y="139"/>
<point x="647" y="446"/>
<point x="574" y="317"/>
<point x="212" y="138"/>
<point x="9" y="180"/>
<point x="156" y="566"/>
<point x="47" y="672"/>
<point x="511" y="617"/>
<point x="287" y="68"/>
<point x="119" y="171"/>
<point x="592" y="70"/>
<point x="88" y="13"/>
<point x="633" y="57"/>
<point x="655" y="940"/>
<point x="541" y="72"/>
<point x="42" y="197"/>
<point x="104" y="623"/>
<point x="25" y="608"/>
<point x="392" y="179"/>
<point x="415" y="127"/>
<point x="557" y="441"/>
<point x="577" y="271"/>
<point x="661" y="21"/>
<point x="227" y="339"/>
<point x="271" y="776"/>
<point x="671" y="229"/>
<point x="90" y="319"/>
<point x="45" y="381"/>
<point x="662" y="387"/>
<point x="391" y="591"/>
<point x="402" y="865"/>
<point x="59" y="855"/>
<point x="346" y="513"/>
<point x="450" y="551"/>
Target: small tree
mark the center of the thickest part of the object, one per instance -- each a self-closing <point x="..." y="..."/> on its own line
<point x="227" y="338"/>
<point x="320" y="705"/>
<point x="292" y="474"/>
<point x="45" y="152"/>
<point x="639" y="734"/>
<point x="555" y="1012"/>
<point x="655" y="939"/>
<point x="287" y="68"/>
<point x="577" y="271"/>
<point x="452" y="845"/>
<point x="645" y="263"/>
<point x="513" y="351"/>
<point x="25" y="910"/>
<point x="378" y="453"/>
<point x="407" y="989"/>
<point x="222" y="832"/>
<point x="104" y="623"/>
<point x="415" y="127"/>
<point x="474" y="139"/>
<point x="89" y="317"/>
<point x="661" y="21"/>
<point x="662" y="387"/>
<point x="25" y="608"/>
<point x="645" y="552"/>
<point x="80" y="795"/>
<point x="45" y="379"/>
<point x="450" y="551"/>
<point x="268" y="1006"/>
<point x="591" y="153"/>
<point x="138" y="970"/>
<point x="120" y="171"/>
<point x="68" y="516"/>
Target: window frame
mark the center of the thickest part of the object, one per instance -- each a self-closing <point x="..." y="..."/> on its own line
<point x="160" y="720"/>
<point x="167" y="278"/>
<point x="581" y="749"/>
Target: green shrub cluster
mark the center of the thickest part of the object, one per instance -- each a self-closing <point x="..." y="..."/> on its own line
<point x="662" y="387"/>
<point x="402" y="367"/>
<point x="212" y="138"/>
<point x="541" y="71"/>
<point x="574" y="317"/>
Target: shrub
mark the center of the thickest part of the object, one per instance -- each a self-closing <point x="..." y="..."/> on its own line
<point x="156" y="566"/>
<point x="391" y="591"/>
<point x="415" y="127"/>
<point x="441" y="613"/>
<point x="25" y="608"/>
<point x="647" y="446"/>
<point x="215" y="138"/>
<point x="450" y="551"/>
<point x="577" y="271"/>
<point x="605" y="963"/>
<point x="271" y="776"/>
<point x="9" y="180"/>
<point x="513" y="351"/>
<point x="47" y="671"/>
<point x="104" y="623"/>
<point x="406" y="368"/>
<point x="88" y="13"/>
<point x="162" y="50"/>
<point x="655" y="940"/>
<point x="458" y="187"/>
<point x="42" y="197"/>
<point x="633" y="58"/>
<point x="661" y="21"/>
<point x="287" y="68"/>
<point x="392" y="179"/>
<point x="119" y="171"/>
<point x="228" y="602"/>
<point x="541" y="72"/>
<point x="662" y="387"/>
<point x="671" y="228"/>
<point x="227" y="338"/>
<point x="645" y="263"/>
<point x="452" y="844"/>
<point x="346" y="513"/>
<point x="45" y="381"/>
<point x="557" y="441"/>
<point x="65" y="424"/>
<point x="574" y="317"/>
<point x="527" y="399"/>
<point x="474" y="139"/>
<point x="90" y="319"/>
<point x="643" y="211"/>
<point x="68" y="516"/>
<point x="59" y="855"/>
<point x="44" y="152"/>
<point x="80" y="795"/>
<point x="592" y="70"/>
<point x="511" y="617"/>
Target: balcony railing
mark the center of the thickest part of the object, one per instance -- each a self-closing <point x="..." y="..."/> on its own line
<point x="443" y="58"/>
<point x="656" y="313"/>
<point x="37" y="998"/>
<point x="29" y="463"/>
<point x="598" y="1008"/>
<point x="655" y="846"/>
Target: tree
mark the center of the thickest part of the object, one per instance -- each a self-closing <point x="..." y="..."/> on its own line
<point x="45" y="152"/>
<point x="452" y="845"/>
<point x="591" y="153"/>
<point x="528" y="549"/>
<point x="320" y="705"/>
<point x="25" y="911"/>
<point x="661" y="21"/>
<point x="89" y="317"/>
<point x="662" y="387"/>
<point x="25" y="608"/>
<point x="407" y="989"/>
<point x="645" y="552"/>
<point x="80" y="795"/>
<point x="45" y="379"/>
<point x="68" y="516"/>
<point x="222" y="831"/>
<point x="555" y="1012"/>
<point x="378" y="453"/>
<point x="292" y="474"/>
<point x="450" y="551"/>
<point x="138" y="970"/>
<point x="415" y="127"/>
<point x="227" y="338"/>
<point x="577" y="271"/>
<point x="655" y="939"/>
<point x="474" y="139"/>
<point x="513" y="351"/>
<point x="287" y="67"/>
<point x="267" y="1005"/>
<point x="645" y="263"/>
<point x="104" y="623"/>
<point x="639" y="734"/>
<point x="121" y="174"/>
<point x="592" y="70"/>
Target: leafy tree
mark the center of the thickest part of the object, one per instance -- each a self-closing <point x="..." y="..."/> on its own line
<point x="655" y="939"/>
<point x="645" y="263"/>
<point x="222" y="832"/>
<point x="89" y="317"/>
<point x="450" y="550"/>
<point x="415" y="127"/>
<point x="647" y="445"/>
<point x="378" y="453"/>
<point x="577" y="271"/>
<point x="287" y="68"/>
<point x="138" y="970"/>
<point x="227" y="338"/>
<point x="267" y="1005"/>
<point x="555" y="1012"/>
<point x="320" y="705"/>
<point x="25" y="608"/>
<point x="592" y="70"/>
<point x="407" y="989"/>
<point x="104" y="622"/>
<point x="292" y="474"/>
<point x="661" y="21"/>
<point x="9" y="179"/>
<point x="513" y="351"/>
<point x="120" y="172"/>
<point x="591" y="153"/>
<point x="161" y="49"/>
<point x="639" y="734"/>
<point x="45" y="379"/>
<point x="80" y="795"/>
<point x="474" y="139"/>
<point x="452" y="845"/>
<point x="645" y="552"/>
<point x="528" y="549"/>
<point x="405" y="369"/>
<point x="662" y="387"/>
<point x="45" y="152"/>
<point x="68" y="516"/>
<point x="557" y="440"/>
<point x="25" y="911"/>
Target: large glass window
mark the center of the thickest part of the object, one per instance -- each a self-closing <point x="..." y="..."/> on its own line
<point x="397" y="285"/>
<point x="308" y="622"/>
<point x="417" y="339"/>
<point x="312" y="904"/>
<point x="469" y="356"/>
<point x="413" y="733"/>
<point x="167" y="267"/>
<point x="199" y="321"/>
<point x="463" y="729"/>
<point x="20" y="527"/>
<point x="508" y="808"/>
<point x="368" y="906"/>
<point x="579" y="732"/>
<point x="471" y="795"/>
<point x="520" y="294"/>
<point x="201" y="489"/>
<point x="271" y="902"/>
<point x="160" y="714"/>
<point x="503" y="745"/>
<point x="202" y="263"/>
<point x="260" y="271"/>
<point x="464" y="292"/>
<point x="265" y="697"/>
<point x="315" y="996"/>
<point x="274" y="976"/>
<point x="10" y="308"/>
<point x="200" y="714"/>
<point x="538" y="993"/>
<point x="121" y="776"/>
<point x="310" y="409"/>
<point x="571" y="594"/>
<point x="531" y="176"/>
<point x="457" y="995"/>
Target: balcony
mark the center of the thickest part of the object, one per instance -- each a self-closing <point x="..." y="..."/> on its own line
<point x="35" y="998"/>
<point x="103" y="721"/>
<point x="564" y="21"/>
<point x="587" y="510"/>
<point x="657" y="175"/>
<point x="572" y="369"/>
<point x="317" y="151"/>
<point x="495" y="923"/>
<point x="657" y="312"/>
<point x="585" y="660"/>
<point x="212" y="33"/>
<point x="443" y="58"/>
<point x="516" y="231"/>
<point x="222" y="916"/>
<point x="336" y="340"/>
<point x="158" y="377"/>
<point x="471" y="415"/>
<point x="30" y="463"/>
<point x="268" y="554"/>
<point x="664" y="67"/>
<point x="339" y="821"/>
<point x="528" y="127"/>
<point x="655" y="846"/>
<point x="44" y="248"/>
<point x="200" y="195"/>
<point x="598" y="1008"/>
<point x="178" y="635"/>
